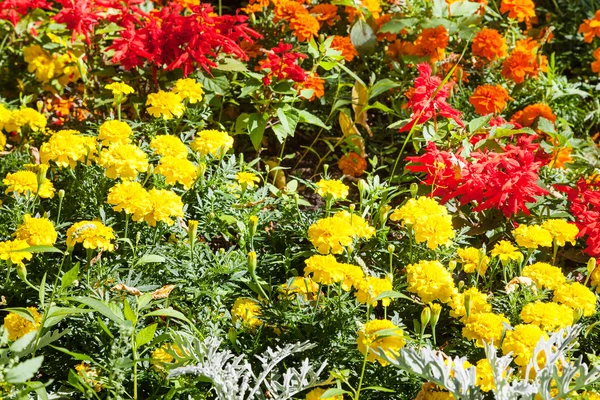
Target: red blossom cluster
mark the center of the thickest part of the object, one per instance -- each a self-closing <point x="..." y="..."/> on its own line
<point x="505" y="181"/>
<point x="429" y="99"/>
<point x="585" y="206"/>
<point x="13" y="10"/>
<point x="281" y="63"/>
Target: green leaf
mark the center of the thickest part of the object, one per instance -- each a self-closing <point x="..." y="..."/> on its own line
<point x="77" y="356"/>
<point x="329" y="393"/>
<point x="382" y="86"/>
<point x="22" y="343"/>
<point x="392" y="294"/>
<point x="128" y="312"/>
<point x="397" y="25"/>
<point x="478" y="123"/>
<point x="145" y="335"/>
<point x="256" y="128"/>
<point x="230" y="64"/>
<point x="100" y="307"/>
<point x="57" y="314"/>
<point x="150" y="258"/>
<point x="546" y="126"/>
<point x="217" y="84"/>
<point x="312" y="119"/>
<point x="379" y="389"/>
<point x="439" y="9"/>
<point x="24" y="371"/>
<point x="69" y="277"/>
<point x="21" y="312"/>
<point x="464" y="8"/>
<point x="168" y="312"/>
<point x="39" y="249"/>
<point x="363" y="37"/>
<point x="289" y="119"/>
<point x="42" y="290"/>
<point x="280" y="132"/>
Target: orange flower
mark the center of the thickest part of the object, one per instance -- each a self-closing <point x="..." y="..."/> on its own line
<point x="490" y="44"/>
<point x="372" y="6"/>
<point x="489" y="99"/>
<point x="304" y="27"/>
<point x="523" y="61"/>
<point x="521" y="10"/>
<point x="590" y="28"/>
<point x="288" y="9"/>
<point x="560" y="157"/>
<point x="252" y="8"/>
<point x="400" y="48"/>
<point x="432" y="42"/>
<point x="530" y="114"/>
<point x="325" y="13"/>
<point x="385" y="18"/>
<point x="596" y="64"/>
<point x="352" y="164"/>
<point x="314" y="82"/>
<point x="344" y="44"/>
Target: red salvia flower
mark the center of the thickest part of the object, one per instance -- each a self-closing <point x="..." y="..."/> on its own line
<point x="13" y="10"/>
<point x="281" y="63"/>
<point x="79" y="16"/>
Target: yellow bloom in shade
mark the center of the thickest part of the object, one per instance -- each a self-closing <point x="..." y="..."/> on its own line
<point x="18" y="326"/>
<point x="316" y="394"/>
<point x="544" y="275"/>
<point x="353" y="276"/>
<point x="40" y="62"/>
<point x="165" y="104"/>
<point x="213" y="142"/>
<point x="119" y="88"/>
<point x="431" y="391"/>
<point x="305" y="288"/>
<point x="8" y="251"/>
<point x="165" y="354"/>
<point x="5" y="116"/>
<point x="177" y="170"/>
<point x="595" y="278"/>
<point x="26" y="117"/>
<point x="113" y="132"/>
<point x="248" y="312"/>
<point x="479" y="304"/>
<point x="378" y="335"/>
<point x="189" y="89"/>
<point x="431" y="281"/>
<point x="575" y="295"/>
<point x="484" y="327"/>
<point x="131" y="197"/>
<point x="89" y="373"/>
<point x="247" y="178"/>
<point x="522" y="341"/>
<point x="92" y="234"/>
<point x="164" y="206"/>
<point x="2" y="140"/>
<point x="532" y="236"/>
<point x="333" y="187"/>
<point x="551" y="317"/>
<point x="561" y="231"/>
<point x="324" y="269"/>
<point x="67" y="147"/>
<point x="429" y="220"/>
<point x="123" y="161"/>
<point x="506" y="252"/>
<point x="484" y="375"/>
<point x="26" y="183"/>
<point x="167" y="145"/>
<point x="36" y="231"/>
<point x="473" y="260"/>
<point x="332" y="234"/>
<point x="368" y="289"/>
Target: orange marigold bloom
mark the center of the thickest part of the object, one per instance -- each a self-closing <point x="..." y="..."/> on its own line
<point x="344" y="44"/>
<point x="590" y="28"/>
<point x="352" y="164"/>
<point x="325" y="13"/>
<point x="304" y="27"/>
<point x="490" y="44"/>
<point x="316" y="83"/>
<point x="373" y="6"/>
<point x="560" y="157"/>
<point x="523" y="61"/>
<point x="253" y="8"/>
<point x="489" y="99"/>
<point x="400" y="48"/>
<point x="287" y="10"/>
<point x="521" y="10"/>
<point x="432" y="42"/>
<point x="530" y="114"/>
<point x="596" y="64"/>
<point x="390" y="37"/>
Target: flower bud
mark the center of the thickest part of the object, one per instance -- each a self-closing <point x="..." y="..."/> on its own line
<point x="461" y="285"/>
<point x="452" y="265"/>
<point x="591" y="265"/>
<point x="414" y="189"/>
<point x="436" y="310"/>
<point x="61" y="194"/>
<point x="22" y="272"/>
<point x="363" y="186"/>
<point x="232" y="335"/>
<point x="468" y="304"/>
<point x="201" y="171"/>
<point x="577" y="314"/>
<point x="253" y="225"/>
<point x="391" y="248"/>
<point x="425" y="317"/>
<point x="252" y="262"/>
<point x="192" y="230"/>
<point x="352" y="207"/>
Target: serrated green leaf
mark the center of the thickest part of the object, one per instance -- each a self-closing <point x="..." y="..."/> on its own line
<point x="100" y="307"/>
<point x="69" y="277"/>
<point x="145" y="335"/>
<point x="24" y="371"/>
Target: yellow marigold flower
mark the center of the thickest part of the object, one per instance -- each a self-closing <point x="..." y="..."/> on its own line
<point x="17" y="326"/>
<point x="167" y="145"/>
<point x="67" y="68"/>
<point x="333" y="187"/>
<point x="26" y="183"/>
<point x="484" y="327"/>
<point x="506" y="252"/>
<point x="165" y="104"/>
<point x="428" y="219"/>
<point x="377" y="335"/>
<point x="26" y="117"/>
<point x="316" y="394"/>
<point x="431" y="281"/>
<point x="119" y="88"/>
<point x="8" y="251"/>
<point x="484" y="375"/>
<point x="359" y="224"/>
<point x="473" y="260"/>
<point x="123" y="160"/>
<point x="353" y="276"/>
<point x="479" y="304"/>
<point x="522" y="341"/>
<point x="5" y="116"/>
<point x="36" y="231"/>
<point x="113" y="132"/>
<point x="66" y="148"/>
<point x="177" y="170"/>
<point x="40" y="62"/>
<point x="595" y="278"/>
<point x="575" y="295"/>
<point x="551" y="317"/>
<point x="189" y="89"/>
<point x="248" y="312"/>
<point x="369" y="288"/>
<point x="2" y="139"/>
<point x="89" y="374"/>
<point x="561" y="231"/>
<point x="212" y="142"/>
<point x="131" y="197"/>
<point x="324" y="269"/>
<point x="247" y="178"/>
<point x="164" y="206"/>
<point x="165" y="354"/>
<point x="532" y="236"/>
<point x="431" y="391"/>
<point x="544" y="275"/>
<point x="332" y="234"/>
<point x="305" y="288"/>
<point x="92" y="234"/>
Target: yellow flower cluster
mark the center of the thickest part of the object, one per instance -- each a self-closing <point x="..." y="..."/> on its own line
<point x="47" y="67"/>
<point x="478" y="303"/>
<point x="67" y="147"/>
<point x="247" y="179"/>
<point x="248" y="312"/>
<point x="431" y="281"/>
<point x="544" y="275"/>
<point x="26" y="183"/>
<point x="380" y="335"/>
<point x="18" y="326"/>
<point x="316" y="394"/>
<point x="177" y="170"/>
<point x="114" y="132"/>
<point x="550" y="317"/>
<point x="13" y="121"/>
<point x="131" y="197"/>
<point x="484" y="327"/>
<point x="9" y="251"/>
<point x="484" y="375"/>
<point x="325" y="270"/>
<point x="333" y="234"/>
<point x="92" y="234"/>
<point x="213" y="142"/>
<point x="189" y="89"/>
<point x="522" y="341"/>
<point x="333" y="188"/>
<point x="532" y="236"/>
<point x="429" y="221"/>
<point x="119" y="88"/>
<point x="473" y="260"/>
<point x="561" y="231"/>
<point x="370" y="288"/>
<point x="36" y="231"/>
<point x="298" y="286"/>
<point x="123" y="161"/>
<point x="164" y="205"/>
<point x="575" y="295"/>
<point x="167" y="145"/>
<point x="165" y="104"/>
<point x="506" y="252"/>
